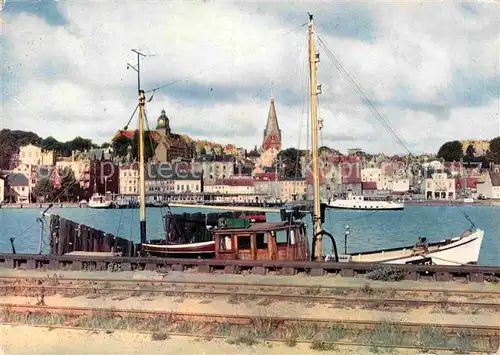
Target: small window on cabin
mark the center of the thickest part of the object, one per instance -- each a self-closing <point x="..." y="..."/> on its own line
<point x="244" y="242"/>
<point x="261" y="241"/>
<point x="225" y="242"/>
<point x="281" y="237"/>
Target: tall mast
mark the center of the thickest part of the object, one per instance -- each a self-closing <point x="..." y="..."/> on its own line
<point x="142" y="182"/>
<point x="313" y="59"/>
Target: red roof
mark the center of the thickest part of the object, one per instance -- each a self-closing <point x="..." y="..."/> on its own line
<point x="234" y="182"/>
<point x="369" y="185"/>
<point x="130" y="134"/>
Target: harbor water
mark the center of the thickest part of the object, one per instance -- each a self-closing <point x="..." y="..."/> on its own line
<point x="368" y="229"/>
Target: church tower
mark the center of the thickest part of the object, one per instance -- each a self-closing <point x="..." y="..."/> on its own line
<point x="272" y="133"/>
<point x="163" y="124"/>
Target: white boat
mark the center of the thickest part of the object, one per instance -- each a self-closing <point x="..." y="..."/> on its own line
<point x="100" y="201"/>
<point x="361" y="203"/>
<point x="461" y="250"/>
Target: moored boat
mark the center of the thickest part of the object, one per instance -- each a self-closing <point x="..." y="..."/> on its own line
<point x="100" y="201"/>
<point x="362" y="203"/>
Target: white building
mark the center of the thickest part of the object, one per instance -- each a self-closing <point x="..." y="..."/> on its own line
<point x="439" y="187"/>
<point x="491" y="187"/>
<point x="129" y="179"/>
<point x="230" y="186"/>
<point x="292" y="189"/>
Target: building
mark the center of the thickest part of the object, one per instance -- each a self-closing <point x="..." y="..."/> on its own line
<point x="104" y="177"/>
<point x="18" y="188"/>
<point x="439" y="187"/>
<point x="350" y="175"/>
<point x="33" y="155"/>
<point x="272" y="132"/>
<point x="2" y="190"/>
<point x="491" y="187"/>
<point x="291" y="189"/>
<point x="167" y="181"/>
<point x="230" y="186"/>
<point x="129" y="179"/>
<point x="171" y="147"/>
<point x="481" y="147"/>
<point x="80" y="164"/>
<point x="216" y="167"/>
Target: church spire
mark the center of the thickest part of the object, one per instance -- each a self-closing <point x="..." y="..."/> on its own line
<point x="272" y="133"/>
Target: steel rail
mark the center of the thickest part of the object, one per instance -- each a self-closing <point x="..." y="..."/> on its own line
<point x="223" y="337"/>
<point x="485" y="330"/>
<point x="348" y="289"/>
<point x="260" y="267"/>
<point x="275" y="296"/>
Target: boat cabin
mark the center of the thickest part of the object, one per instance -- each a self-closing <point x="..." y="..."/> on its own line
<point x="263" y="241"/>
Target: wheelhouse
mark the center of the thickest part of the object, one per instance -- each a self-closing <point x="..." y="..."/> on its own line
<point x="263" y="241"/>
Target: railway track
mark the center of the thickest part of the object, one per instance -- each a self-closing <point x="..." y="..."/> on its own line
<point x="446" y="337"/>
<point x="359" y="296"/>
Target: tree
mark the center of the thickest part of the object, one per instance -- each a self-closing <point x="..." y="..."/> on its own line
<point x="494" y="153"/>
<point x="120" y="145"/>
<point x="470" y="152"/>
<point x="43" y="189"/>
<point x="451" y="151"/>
<point x="69" y="184"/>
<point x="290" y="160"/>
<point x="51" y="144"/>
<point x="149" y="146"/>
<point x="105" y="145"/>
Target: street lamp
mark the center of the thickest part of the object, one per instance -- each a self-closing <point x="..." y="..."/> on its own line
<point x="346" y="234"/>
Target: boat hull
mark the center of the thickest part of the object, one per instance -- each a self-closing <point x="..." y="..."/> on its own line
<point x="456" y="251"/>
<point x="191" y="249"/>
<point x="367" y="208"/>
<point x="360" y="204"/>
<point x="102" y="207"/>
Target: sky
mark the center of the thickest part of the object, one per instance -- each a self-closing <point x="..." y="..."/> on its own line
<point x="431" y="69"/>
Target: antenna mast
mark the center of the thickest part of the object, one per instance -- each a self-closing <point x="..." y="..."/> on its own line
<point x="313" y="59"/>
<point x="142" y="184"/>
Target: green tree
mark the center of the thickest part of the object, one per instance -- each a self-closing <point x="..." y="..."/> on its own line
<point x="451" y="151"/>
<point x="105" y="145"/>
<point x="50" y="143"/>
<point x="470" y="152"/>
<point x="44" y="189"/>
<point x="494" y="152"/>
<point x="149" y="146"/>
<point x="290" y="160"/>
<point x="69" y="184"/>
<point x="120" y="145"/>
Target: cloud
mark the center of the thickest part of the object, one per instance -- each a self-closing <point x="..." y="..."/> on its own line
<point x="431" y="68"/>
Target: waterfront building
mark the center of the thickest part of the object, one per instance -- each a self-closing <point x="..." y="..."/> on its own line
<point x="230" y="186"/>
<point x="439" y="186"/>
<point x="80" y="164"/>
<point x="18" y="190"/>
<point x="491" y="187"/>
<point x="292" y="189"/>
<point x="166" y="182"/>
<point x="129" y="179"/>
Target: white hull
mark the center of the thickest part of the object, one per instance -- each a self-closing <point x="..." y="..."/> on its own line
<point x="456" y="251"/>
<point x="364" y="205"/>
<point x="99" y="201"/>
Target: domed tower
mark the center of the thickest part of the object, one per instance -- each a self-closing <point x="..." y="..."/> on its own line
<point x="163" y="124"/>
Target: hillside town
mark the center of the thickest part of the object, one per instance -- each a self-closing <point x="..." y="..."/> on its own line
<point x="180" y="168"/>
